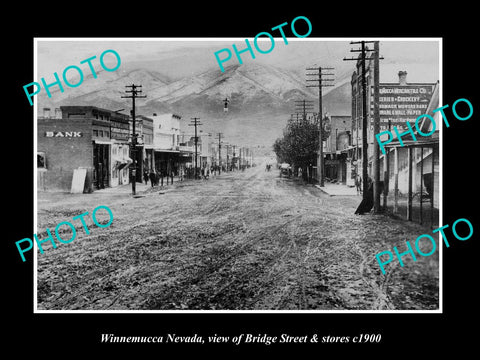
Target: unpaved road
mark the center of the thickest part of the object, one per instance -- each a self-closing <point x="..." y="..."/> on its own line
<point x="243" y="240"/>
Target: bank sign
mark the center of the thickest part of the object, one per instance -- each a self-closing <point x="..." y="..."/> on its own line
<point x="401" y="103"/>
<point x="68" y="134"/>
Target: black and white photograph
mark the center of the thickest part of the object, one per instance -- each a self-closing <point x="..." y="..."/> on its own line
<point x="245" y="184"/>
<point x="214" y="179"/>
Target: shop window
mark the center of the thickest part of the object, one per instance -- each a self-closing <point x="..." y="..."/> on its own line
<point x="41" y="160"/>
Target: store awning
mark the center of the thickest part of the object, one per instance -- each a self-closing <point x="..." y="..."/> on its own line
<point x="166" y="150"/>
<point x="103" y="142"/>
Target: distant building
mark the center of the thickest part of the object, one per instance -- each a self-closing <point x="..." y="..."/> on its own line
<point x="204" y="149"/>
<point x="336" y="148"/>
<point x="168" y="155"/>
<point x="144" y="153"/>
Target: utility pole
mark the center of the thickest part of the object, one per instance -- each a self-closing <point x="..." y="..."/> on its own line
<point x="376" y="128"/>
<point x="320" y="85"/>
<point x="233" y="157"/>
<point x="363" y="51"/>
<point x="134" y="95"/>
<point x="219" y="153"/>
<point x="228" y="151"/>
<point x="303" y="106"/>
<point x="376" y="124"/>
<point x="195" y="123"/>
<point x="242" y="156"/>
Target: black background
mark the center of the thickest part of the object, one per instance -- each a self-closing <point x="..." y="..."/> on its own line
<point x="407" y="334"/>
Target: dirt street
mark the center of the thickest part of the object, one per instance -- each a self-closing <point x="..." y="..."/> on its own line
<point x="243" y="240"/>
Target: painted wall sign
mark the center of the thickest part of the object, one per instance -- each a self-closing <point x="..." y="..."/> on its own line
<point x="401" y="103"/>
<point x="68" y="134"/>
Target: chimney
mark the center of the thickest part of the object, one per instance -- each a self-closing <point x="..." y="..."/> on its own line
<point x="402" y="78"/>
<point x="46" y="112"/>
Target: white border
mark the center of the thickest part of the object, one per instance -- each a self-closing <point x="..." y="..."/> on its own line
<point x="94" y="39"/>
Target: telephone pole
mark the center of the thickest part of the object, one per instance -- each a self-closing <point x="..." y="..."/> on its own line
<point x="376" y="119"/>
<point x="134" y="95"/>
<point x="376" y="128"/>
<point x="363" y="51"/>
<point x="233" y="157"/>
<point x="242" y="157"/>
<point x="292" y="117"/>
<point x="220" y="153"/>
<point x="320" y="85"/>
<point x="228" y="151"/>
<point x="303" y="107"/>
<point x="195" y="123"/>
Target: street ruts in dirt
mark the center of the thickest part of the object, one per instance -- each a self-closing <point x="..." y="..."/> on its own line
<point x="240" y="241"/>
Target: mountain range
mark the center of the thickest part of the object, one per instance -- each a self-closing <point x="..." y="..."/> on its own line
<point x="261" y="96"/>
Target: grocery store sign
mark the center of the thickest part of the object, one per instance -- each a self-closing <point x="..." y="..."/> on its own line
<point x="401" y="103"/>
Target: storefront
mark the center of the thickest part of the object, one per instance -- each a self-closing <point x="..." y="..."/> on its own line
<point x="120" y="150"/>
<point x="84" y="137"/>
<point x="63" y="145"/>
<point x="101" y="164"/>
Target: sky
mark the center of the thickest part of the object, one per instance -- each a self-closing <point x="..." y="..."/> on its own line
<point x="182" y="57"/>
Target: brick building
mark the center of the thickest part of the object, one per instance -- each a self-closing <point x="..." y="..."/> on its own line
<point x="82" y="137"/>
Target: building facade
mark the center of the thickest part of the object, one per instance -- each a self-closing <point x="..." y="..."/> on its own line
<point x="82" y="137"/>
<point x="398" y="103"/>
<point x="168" y="155"/>
<point x="410" y="173"/>
<point x="144" y="154"/>
<point x="336" y="149"/>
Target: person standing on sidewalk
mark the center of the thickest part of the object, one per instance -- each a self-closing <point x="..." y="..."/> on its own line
<point x="153" y="177"/>
<point x="145" y="176"/>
